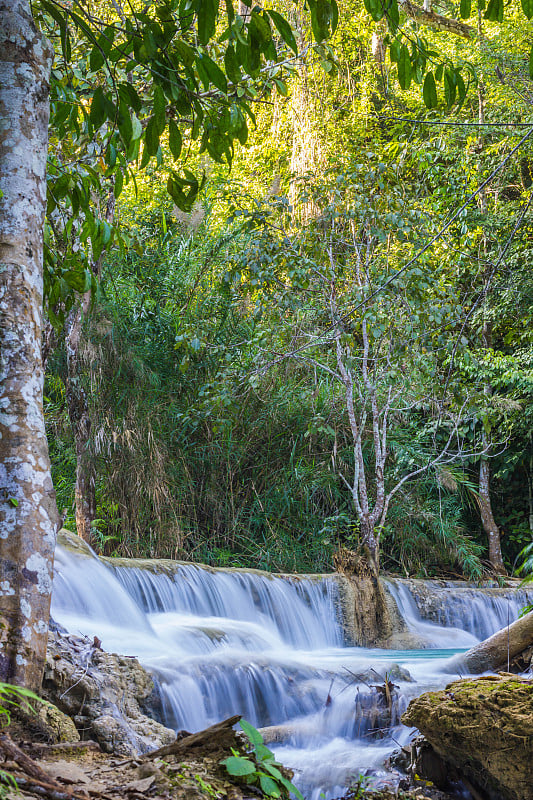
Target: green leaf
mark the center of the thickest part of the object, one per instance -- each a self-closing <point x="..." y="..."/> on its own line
<point x="176" y="188"/>
<point x="149" y="45"/>
<point x="262" y="752"/>
<point x="160" y="109"/>
<point x="79" y="280"/>
<point x="527" y="7"/>
<point x="404" y="67"/>
<point x="375" y="9"/>
<point x="231" y="64"/>
<point x="230" y="11"/>
<point x="269" y="786"/>
<point x="284" y="30"/>
<point x="119" y="183"/>
<point x="151" y="141"/>
<point x="394" y="51"/>
<point x="97" y="113"/>
<point x="274" y="771"/>
<point x="125" y="124"/>
<point x="211" y="73"/>
<point x="130" y="96"/>
<point x="185" y="52"/>
<point x="461" y="88"/>
<point x="136" y="128"/>
<point x="429" y="91"/>
<point x="291" y="788"/>
<point x="251" y="732"/>
<point x="465" y="9"/>
<point x="207" y="20"/>
<point x="174" y="139"/>
<point x="393" y="15"/>
<point x="260" y="29"/>
<point x="335" y="14"/>
<point x="450" y="88"/>
<point x="494" y="11"/>
<point x="321" y="16"/>
<point x="13" y="501"/>
<point x="96" y="59"/>
<point x="60" y="17"/>
<point x="235" y="765"/>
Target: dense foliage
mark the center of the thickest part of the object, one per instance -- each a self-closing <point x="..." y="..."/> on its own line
<point x="353" y="209"/>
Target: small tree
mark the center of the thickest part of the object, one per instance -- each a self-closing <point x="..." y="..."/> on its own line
<point x="349" y="310"/>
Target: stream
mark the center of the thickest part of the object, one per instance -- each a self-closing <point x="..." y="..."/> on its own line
<point x="272" y="648"/>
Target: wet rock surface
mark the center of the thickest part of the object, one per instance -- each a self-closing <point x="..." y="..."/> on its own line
<point x="106" y="696"/>
<point x="483" y="729"/>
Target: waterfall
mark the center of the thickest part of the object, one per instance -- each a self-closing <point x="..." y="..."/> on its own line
<point x="457" y="607"/>
<point x="303" y="612"/>
<point x="270" y="647"/>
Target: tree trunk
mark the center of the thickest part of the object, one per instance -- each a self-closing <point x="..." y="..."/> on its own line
<point x="78" y="406"/>
<point x="496" y="651"/>
<point x="80" y="420"/>
<point x="487" y="518"/>
<point x="485" y="507"/>
<point x="307" y="118"/>
<point x="28" y="513"/>
<point x="370" y="544"/>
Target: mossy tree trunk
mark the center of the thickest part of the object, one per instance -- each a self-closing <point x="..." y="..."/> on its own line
<point x="28" y="513"/>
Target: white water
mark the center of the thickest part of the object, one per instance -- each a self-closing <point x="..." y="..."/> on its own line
<point x="269" y="648"/>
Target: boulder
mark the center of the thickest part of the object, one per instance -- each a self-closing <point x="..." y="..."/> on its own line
<point x="484" y="729"/>
<point x="107" y="696"/>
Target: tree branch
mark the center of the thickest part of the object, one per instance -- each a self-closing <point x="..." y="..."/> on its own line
<point x="433" y="20"/>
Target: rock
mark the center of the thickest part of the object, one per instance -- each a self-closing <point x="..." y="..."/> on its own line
<point x="484" y="729"/>
<point x="62" y="727"/>
<point x="106" y="695"/>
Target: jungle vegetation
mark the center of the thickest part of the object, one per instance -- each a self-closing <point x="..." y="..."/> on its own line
<point x="340" y="316"/>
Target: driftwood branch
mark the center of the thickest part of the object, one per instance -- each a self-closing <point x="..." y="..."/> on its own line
<point x="497" y="650"/>
<point x="433" y="20"/>
<point x="193" y="740"/>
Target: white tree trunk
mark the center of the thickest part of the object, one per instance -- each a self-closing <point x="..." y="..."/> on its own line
<point x="28" y="514"/>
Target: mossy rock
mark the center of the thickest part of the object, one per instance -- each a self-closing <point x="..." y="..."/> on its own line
<point x="61" y="726"/>
<point x="484" y="728"/>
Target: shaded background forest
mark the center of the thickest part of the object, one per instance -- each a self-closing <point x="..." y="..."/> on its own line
<point x="215" y="429"/>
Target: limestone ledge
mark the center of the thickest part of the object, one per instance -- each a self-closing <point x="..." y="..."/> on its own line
<point x="107" y="696"/>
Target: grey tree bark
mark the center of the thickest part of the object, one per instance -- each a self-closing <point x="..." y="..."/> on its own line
<point x="28" y="513"/>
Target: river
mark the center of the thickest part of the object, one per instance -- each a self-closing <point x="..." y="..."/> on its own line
<point x="272" y="648"/>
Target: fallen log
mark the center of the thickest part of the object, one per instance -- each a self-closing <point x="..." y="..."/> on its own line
<point x="27" y="764"/>
<point x="497" y="651"/>
<point x="193" y="740"/>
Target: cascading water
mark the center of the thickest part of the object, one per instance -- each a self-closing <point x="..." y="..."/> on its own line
<point x="268" y="647"/>
<point x="455" y="605"/>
